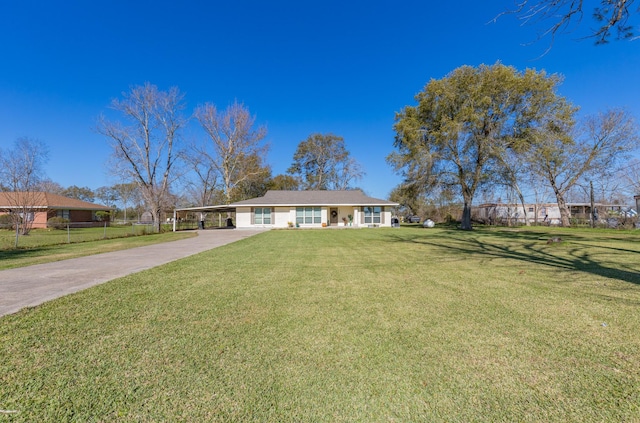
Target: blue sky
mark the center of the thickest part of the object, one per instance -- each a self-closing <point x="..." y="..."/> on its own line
<point x="344" y="67"/>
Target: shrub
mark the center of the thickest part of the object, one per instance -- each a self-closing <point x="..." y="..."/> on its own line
<point x="103" y="216"/>
<point x="57" y="222"/>
<point x="6" y="221"/>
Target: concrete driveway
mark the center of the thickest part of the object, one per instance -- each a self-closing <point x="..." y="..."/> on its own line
<point x="34" y="285"/>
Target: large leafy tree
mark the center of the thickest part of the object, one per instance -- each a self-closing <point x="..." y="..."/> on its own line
<point x="107" y="195"/>
<point x="145" y="145"/>
<point x="284" y="182"/>
<point x="563" y="156"/>
<point x="464" y="123"/>
<point x="322" y="162"/>
<point x="79" y="193"/>
<point x="236" y="148"/>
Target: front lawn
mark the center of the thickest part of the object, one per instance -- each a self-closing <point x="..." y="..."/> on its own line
<point x="47" y="237"/>
<point x="44" y="246"/>
<point x="370" y="325"/>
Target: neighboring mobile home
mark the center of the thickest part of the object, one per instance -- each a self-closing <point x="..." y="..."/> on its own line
<point x="501" y="213"/>
<point x="39" y="207"/>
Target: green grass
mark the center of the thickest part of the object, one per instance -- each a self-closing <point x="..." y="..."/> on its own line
<point x="371" y="325"/>
<point x="46" y="237"/>
<point x="44" y="249"/>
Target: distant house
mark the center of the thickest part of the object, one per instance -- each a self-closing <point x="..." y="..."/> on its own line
<point x="308" y="209"/>
<point x="549" y="213"/>
<point x="39" y="207"/>
<point x="502" y="213"/>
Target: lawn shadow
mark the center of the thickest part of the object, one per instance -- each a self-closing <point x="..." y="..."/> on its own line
<point x="16" y="253"/>
<point x="531" y="247"/>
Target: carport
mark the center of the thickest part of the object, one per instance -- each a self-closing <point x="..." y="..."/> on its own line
<point x="202" y="209"/>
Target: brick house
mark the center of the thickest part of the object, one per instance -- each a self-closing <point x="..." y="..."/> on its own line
<point x="41" y="206"/>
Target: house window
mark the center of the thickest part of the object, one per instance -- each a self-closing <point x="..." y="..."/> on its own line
<point x="530" y="209"/>
<point x="63" y="214"/>
<point x="27" y="217"/>
<point x="372" y="214"/>
<point x="262" y="216"/>
<point x="308" y="215"/>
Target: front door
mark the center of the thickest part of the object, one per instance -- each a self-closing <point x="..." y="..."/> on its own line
<point x="333" y="216"/>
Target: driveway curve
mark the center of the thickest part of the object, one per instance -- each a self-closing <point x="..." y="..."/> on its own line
<point x="33" y="285"/>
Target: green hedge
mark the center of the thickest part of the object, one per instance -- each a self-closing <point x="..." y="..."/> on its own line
<point x="57" y="223"/>
<point x="6" y="221"/>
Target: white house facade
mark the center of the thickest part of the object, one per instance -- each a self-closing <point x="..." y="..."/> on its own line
<point x="313" y="209"/>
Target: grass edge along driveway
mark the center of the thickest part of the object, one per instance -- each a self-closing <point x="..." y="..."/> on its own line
<point x="355" y="325"/>
<point x="21" y="257"/>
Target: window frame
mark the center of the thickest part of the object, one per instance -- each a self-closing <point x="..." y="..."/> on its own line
<point x="262" y="215"/>
<point x="308" y="215"/>
<point x="372" y="215"/>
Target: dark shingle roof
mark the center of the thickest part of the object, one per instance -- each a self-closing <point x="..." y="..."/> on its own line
<point x="314" y="198"/>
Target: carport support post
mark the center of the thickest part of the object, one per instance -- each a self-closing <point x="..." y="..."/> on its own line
<point x="174" y="220"/>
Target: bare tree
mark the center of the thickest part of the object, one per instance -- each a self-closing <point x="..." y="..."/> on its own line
<point x="145" y="150"/>
<point x="234" y="140"/>
<point x="47" y="185"/>
<point x="348" y="171"/>
<point x="203" y="187"/>
<point x="513" y="171"/>
<point x="630" y="174"/>
<point x="566" y="15"/>
<point x="563" y="159"/>
<point x="21" y="172"/>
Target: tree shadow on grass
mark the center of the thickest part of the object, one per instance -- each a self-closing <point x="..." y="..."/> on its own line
<point x="526" y="246"/>
<point x="17" y="254"/>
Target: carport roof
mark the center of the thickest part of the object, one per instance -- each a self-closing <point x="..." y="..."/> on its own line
<point x="220" y="209"/>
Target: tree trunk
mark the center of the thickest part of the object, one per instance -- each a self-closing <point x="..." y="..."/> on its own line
<point x="524" y="208"/>
<point x="565" y="215"/>
<point x="466" y="216"/>
<point x="155" y="213"/>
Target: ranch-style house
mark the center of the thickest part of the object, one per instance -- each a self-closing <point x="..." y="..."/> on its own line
<point x="39" y="207"/>
<point x="307" y="209"/>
